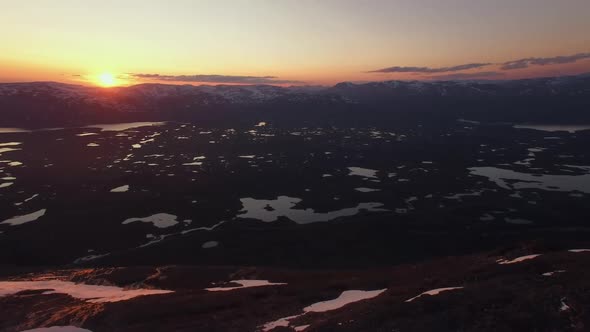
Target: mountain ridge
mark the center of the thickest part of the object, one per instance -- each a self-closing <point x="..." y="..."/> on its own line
<point x="549" y="99"/>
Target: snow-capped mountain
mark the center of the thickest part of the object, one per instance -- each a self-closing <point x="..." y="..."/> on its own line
<point x="47" y="101"/>
<point x="256" y="94"/>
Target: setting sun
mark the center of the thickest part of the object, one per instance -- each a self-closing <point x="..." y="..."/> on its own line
<point x="107" y="80"/>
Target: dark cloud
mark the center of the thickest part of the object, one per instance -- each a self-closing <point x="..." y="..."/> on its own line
<point x="228" y="79"/>
<point x="427" y="70"/>
<point x="468" y="76"/>
<point x="526" y="62"/>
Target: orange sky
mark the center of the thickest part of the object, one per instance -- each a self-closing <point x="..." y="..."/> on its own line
<point x="307" y="41"/>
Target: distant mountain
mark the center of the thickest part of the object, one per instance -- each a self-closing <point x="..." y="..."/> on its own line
<point x="41" y="103"/>
<point x="565" y="86"/>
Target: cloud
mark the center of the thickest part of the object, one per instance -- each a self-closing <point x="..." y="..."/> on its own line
<point x="228" y="79"/>
<point x="526" y="62"/>
<point x="508" y="65"/>
<point x="468" y="76"/>
<point x="428" y="70"/>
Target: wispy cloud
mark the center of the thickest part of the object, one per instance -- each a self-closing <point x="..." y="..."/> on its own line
<point x="526" y="62"/>
<point x="468" y="76"/>
<point x="508" y="65"/>
<point x="428" y="70"/>
<point x="223" y="79"/>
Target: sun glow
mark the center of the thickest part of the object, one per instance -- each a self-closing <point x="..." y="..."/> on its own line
<point x="107" y="80"/>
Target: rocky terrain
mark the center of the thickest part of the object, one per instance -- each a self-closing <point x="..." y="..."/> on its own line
<point x="529" y="288"/>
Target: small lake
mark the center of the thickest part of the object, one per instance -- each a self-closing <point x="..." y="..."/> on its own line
<point x="124" y="126"/>
<point x="102" y="127"/>
<point x="511" y="180"/>
<point x="283" y="206"/>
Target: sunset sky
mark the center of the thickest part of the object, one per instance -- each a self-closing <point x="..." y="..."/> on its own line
<point x="290" y="41"/>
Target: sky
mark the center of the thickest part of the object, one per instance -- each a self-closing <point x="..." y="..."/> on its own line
<point x="287" y="42"/>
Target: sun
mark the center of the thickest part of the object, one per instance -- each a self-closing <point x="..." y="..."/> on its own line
<point x="107" y="80"/>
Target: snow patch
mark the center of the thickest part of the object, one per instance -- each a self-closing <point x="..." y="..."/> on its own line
<point x="245" y="284"/>
<point x="90" y="293"/>
<point x="19" y="220"/>
<point x="549" y="274"/>
<point x="433" y="292"/>
<point x="366" y="190"/>
<point x="210" y="244"/>
<point x="516" y="260"/>
<point x="120" y="189"/>
<point x="58" y="329"/>
<point x="579" y="250"/>
<point x="345" y="298"/>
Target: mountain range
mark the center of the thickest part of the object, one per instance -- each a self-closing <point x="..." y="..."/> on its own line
<point x="40" y="103"/>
